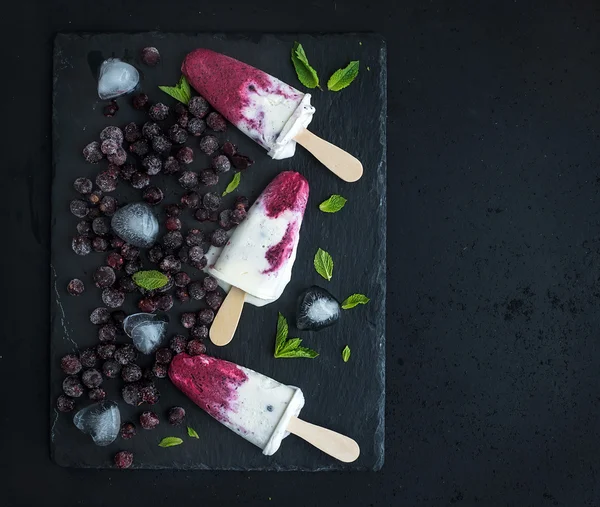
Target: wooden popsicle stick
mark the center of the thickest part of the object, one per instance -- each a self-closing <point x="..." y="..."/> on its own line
<point x="338" y="161"/>
<point x="339" y="446"/>
<point x="226" y="322"/>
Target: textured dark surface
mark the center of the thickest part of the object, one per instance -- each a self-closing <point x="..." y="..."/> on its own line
<point x="480" y="410"/>
<point x="348" y="398"/>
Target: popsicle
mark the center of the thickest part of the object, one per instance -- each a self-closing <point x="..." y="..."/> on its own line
<point x="254" y="406"/>
<point x="258" y="258"/>
<point x="269" y="111"/>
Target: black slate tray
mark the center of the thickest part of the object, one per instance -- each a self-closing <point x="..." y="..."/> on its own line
<point x="348" y="397"/>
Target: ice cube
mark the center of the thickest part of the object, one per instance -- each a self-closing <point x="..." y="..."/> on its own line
<point x="102" y="421"/>
<point x="317" y="309"/>
<point x="136" y="224"/>
<point x="116" y="78"/>
<point x="146" y="330"/>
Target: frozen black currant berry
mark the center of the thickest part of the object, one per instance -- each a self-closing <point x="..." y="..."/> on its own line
<point x="196" y="290"/>
<point x="188" y="180"/>
<point x="219" y="238"/>
<point x="242" y="202"/>
<point x="238" y="216"/>
<point x="152" y="164"/>
<point x="140" y="180"/>
<point x="183" y="254"/>
<point x="84" y="228"/>
<point x="209" y="144"/>
<point x="201" y="264"/>
<point x="127" y="285"/>
<point x="72" y="387"/>
<point x="107" y="333"/>
<point x="188" y="320"/>
<point x="132" y="132"/>
<point x="75" y="287"/>
<point x="127" y="171"/>
<point x="225" y="219"/>
<point x="93" y="214"/>
<point x="160" y="144"/>
<point x="130" y="252"/>
<point x="125" y="354"/>
<point x="112" y="132"/>
<point x="147" y="305"/>
<point x="210" y="284"/>
<point x="111" y="368"/>
<point x="113" y="298"/>
<point x="109" y="147"/>
<point x="221" y="164"/>
<point x="173" y="224"/>
<point x="83" y="185"/>
<point x="140" y="148"/>
<point x="158" y="112"/>
<point x="81" y="245"/>
<point x="119" y="157"/>
<point x="155" y="254"/>
<point x="182" y="295"/>
<point x="185" y="155"/>
<point x="171" y="166"/>
<point x="97" y="394"/>
<point x="123" y="459"/>
<point x="164" y="356"/>
<point x="214" y="300"/>
<point x="115" y="260"/>
<point x="91" y="378"/>
<point x="182" y="279"/>
<point x="106" y="182"/>
<point x="195" y="348"/>
<point x="172" y="240"/>
<point x="198" y="106"/>
<point x="110" y="109"/>
<point x="106" y="350"/>
<point x="159" y="370"/>
<point x="150" y="130"/>
<point x="131" y="373"/>
<point x="190" y="200"/>
<point x="201" y="215"/>
<point x="206" y="316"/>
<point x="99" y="244"/>
<point x="194" y="238"/>
<point x="176" y="416"/>
<point x="229" y="149"/>
<point x="88" y="358"/>
<point x="92" y="153"/>
<point x="79" y="208"/>
<point x="153" y="195"/>
<point x="131" y="394"/>
<point x="196" y="253"/>
<point x="108" y="205"/>
<point x="196" y="126"/>
<point x="70" y="364"/>
<point x="178" y="343"/>
<point x="127" y="430"/>
<point x="164" y="303"/>
<point x="180" y="108"/>
<point x="177" y="134"/>
<point x="150" y="56"/>
<point x="170" y="263"/>
<point x="65" y="404"/>
<point x="133" y="266"/>
<point x="183" y="119"/>
<point x="101" y="226"/>
<point x="104" y="276"/>
<point x="241" y="162"/>
<point x="150" y="393"/>
<point x="199" y="332"/>
<point x="211" y="201"/>
<point x="100" y="315"/>
<point x="209" y="178"/>
<point x="149" y="420"/>
<point x="172" y="210"/>
<point x="216" y="122"/>
<point x="140" y="101"/>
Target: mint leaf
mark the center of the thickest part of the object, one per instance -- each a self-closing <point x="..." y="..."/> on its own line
<point x="181" y="91"/>
<point x="150" y="280"/>
<point x="324" y="264"/>
<point x="306" y="74"/>
<point x="343" y="77"/>
<point x="291" y="347"/>
<point x="192" y="432"/>
<point x="333" y="204"/>
<point x="170" y="442"/>
<point x="233" y="184"/>
<point x="353" y="300"/>
<point x="346" y="354"/>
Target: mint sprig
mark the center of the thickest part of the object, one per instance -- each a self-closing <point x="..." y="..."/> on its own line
<point x="334" y="204"/>
<point x="285" y="347"/>
<point x="170" y="442"/>
<point x="233" y="184"/>
<point x="323" y="264"/>
<point x="150" y="280"/>
<point x="181" y="91"/>
<point x="192" y="432"/>
<point x="306" y="74"/>
<point x="346" y="354"/>
<point x="354" y="300"/>
<point x="343" y="77"/>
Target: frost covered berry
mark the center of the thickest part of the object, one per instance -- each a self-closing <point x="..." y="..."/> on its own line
<point x="150" y="56"/>
<point x="185" y="155"/>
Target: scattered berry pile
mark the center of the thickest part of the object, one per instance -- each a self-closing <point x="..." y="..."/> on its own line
<point x="172" y="142"/>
